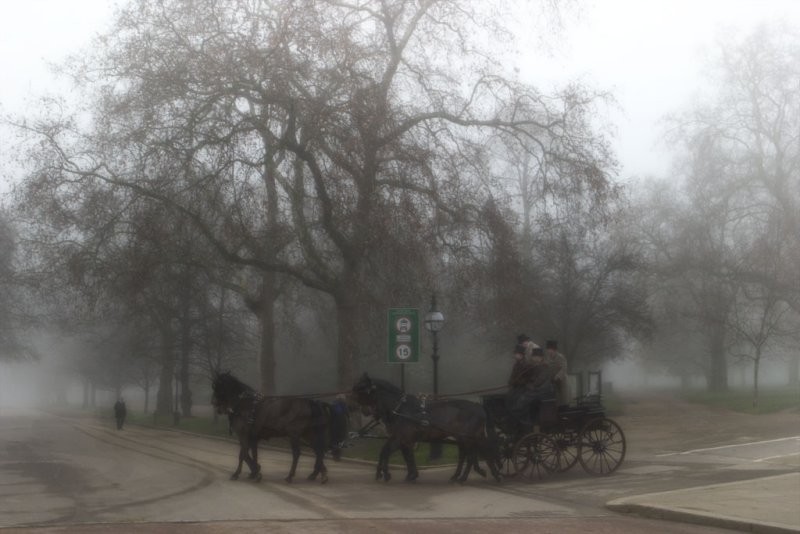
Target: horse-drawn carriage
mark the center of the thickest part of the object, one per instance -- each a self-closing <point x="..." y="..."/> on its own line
<point x="566" y="435"/>
<point x="486" y="431"/>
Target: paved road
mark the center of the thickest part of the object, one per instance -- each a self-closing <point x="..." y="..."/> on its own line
<point x="57" y="471"/>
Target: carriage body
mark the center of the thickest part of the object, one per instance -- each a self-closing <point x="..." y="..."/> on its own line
<point x="566" y="435"/>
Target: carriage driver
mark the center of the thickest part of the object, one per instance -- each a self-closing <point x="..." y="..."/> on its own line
<point x="531" y="381"/>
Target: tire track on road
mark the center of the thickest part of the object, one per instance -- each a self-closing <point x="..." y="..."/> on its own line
<point x="212" y="470"/>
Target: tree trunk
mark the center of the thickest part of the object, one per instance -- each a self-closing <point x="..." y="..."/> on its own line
<point x="718" y="371"/>
<point x="266" y="315"/>
<point x="756" y="363"/>
<point x="164" y="395"/>
<point x="186" y="352"/>
<point x="347" y="343"/>
<point x="794" y="370"/>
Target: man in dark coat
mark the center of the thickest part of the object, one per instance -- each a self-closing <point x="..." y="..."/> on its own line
<point x="120" y="411"/>
<point x="530" y="383"/>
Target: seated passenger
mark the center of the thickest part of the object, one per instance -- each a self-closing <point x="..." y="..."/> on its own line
<point x="556" y="359"/>
<point x="530" y="384"/>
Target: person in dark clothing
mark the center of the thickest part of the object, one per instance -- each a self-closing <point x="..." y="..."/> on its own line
<point x="530" y="383"/>
<point x="339" y="424"/>
<point x="555" y="358"/>
<point x="120" y="411"/>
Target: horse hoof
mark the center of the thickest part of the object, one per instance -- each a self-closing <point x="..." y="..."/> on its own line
<point x="258" y="477"/>
<point x="387" y="477"/>
<point x="324" y="479"/>
<point x="288" y="480"/>
<point x="234" y="477"/>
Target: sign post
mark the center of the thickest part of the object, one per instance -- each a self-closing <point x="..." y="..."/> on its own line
<point x="403" y="338"/>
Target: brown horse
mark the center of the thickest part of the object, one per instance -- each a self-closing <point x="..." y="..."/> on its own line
<point x="253" y="418"/>
<point x="409" y="421"/>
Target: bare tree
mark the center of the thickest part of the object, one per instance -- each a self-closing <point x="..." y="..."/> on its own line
<point x="329" y="116"/>
<point x="742" y="161"/>
<point x="14" y="321"/>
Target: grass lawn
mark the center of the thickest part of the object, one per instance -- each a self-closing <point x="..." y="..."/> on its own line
<point x="740" y="400"/>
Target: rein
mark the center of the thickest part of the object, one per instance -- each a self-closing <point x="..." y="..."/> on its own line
<point x="347" y="392"/>
<point x="310" y="396"/>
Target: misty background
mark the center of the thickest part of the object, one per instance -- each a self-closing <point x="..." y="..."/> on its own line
<point x="191" y="187"/>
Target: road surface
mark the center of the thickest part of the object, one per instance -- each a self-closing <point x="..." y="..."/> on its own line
<point x="65" y="474"/>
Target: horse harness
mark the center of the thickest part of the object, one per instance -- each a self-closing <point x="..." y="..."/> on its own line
<point x="250" y="419"/>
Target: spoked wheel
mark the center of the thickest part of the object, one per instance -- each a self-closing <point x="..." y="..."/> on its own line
<point x="568" y="448"/>
<point x="535" y="457"/>
<point x="506" y="463"/>
<point x="602" y="447"/>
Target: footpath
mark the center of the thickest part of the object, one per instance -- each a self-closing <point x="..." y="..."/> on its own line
<point x="766" y="505"/>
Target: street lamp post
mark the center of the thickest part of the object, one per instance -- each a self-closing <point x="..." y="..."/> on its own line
<point x="434" y="320"/>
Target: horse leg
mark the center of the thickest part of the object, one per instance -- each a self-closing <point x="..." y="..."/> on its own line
<point x="319" y="462"/>
<point x="460" y="465"/>
<point x="411" y="463"/>
<point x="319" y="454"/>
<point x="295" y="457"/>
<point x="383" y="459"/>
<point x="489" y="451"/>
<point x="235" y="474"/>
<point x="389" y="447"/>
<point x="255" y="468"/>
<point x="476" y="465"/>
<point x="243" y="457"/>
<point x="472" y="461"/>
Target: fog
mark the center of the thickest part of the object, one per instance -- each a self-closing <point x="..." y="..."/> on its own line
<point x="45" y="384"/>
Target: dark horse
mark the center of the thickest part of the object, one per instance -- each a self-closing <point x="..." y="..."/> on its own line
<point x="408" y="421"/>
<point x="253" y="418"/>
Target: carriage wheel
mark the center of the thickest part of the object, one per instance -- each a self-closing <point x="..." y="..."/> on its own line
<point x="568" y="448"/>
<point x="602" y="447"/>
<point x="506" y="463"/>
<point x="535" y="457"/>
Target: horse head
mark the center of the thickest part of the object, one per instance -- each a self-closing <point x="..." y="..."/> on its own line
<point x="363" y="391"/>
<point x="376" y="396"/>
<point x="226" y="391"/>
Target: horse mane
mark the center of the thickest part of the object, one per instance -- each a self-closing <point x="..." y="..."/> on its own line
<point x="229" y="382"/>
<point x="389" y="387"/>
<point x="385" y="384"/>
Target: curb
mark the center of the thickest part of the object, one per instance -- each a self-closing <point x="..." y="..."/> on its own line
<point x="698" y="518"/>
<point x="686" y="505"/>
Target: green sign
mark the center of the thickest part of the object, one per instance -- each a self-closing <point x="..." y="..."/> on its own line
<point x="403" y="335"/>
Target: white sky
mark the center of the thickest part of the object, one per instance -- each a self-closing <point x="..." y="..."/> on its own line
<point x="647" y="52"/>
